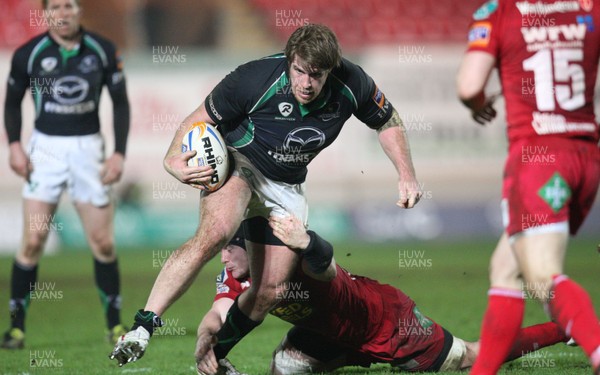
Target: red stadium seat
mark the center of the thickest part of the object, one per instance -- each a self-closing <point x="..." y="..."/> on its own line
<point x="380" y="21"/>
<point x="349" y="32"/>
<point x="387" y="8"/>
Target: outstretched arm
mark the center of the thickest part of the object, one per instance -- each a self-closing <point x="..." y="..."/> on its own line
<point x="473" y="75"/>
<point x="393" y="140"/>
<point x="207" y="331"/>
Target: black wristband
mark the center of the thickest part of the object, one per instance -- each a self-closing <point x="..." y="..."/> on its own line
<point x="148" y="320"/>
<point x="318" y="254"/>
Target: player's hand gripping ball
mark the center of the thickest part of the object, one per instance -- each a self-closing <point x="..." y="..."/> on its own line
<point x="210" y="149"/>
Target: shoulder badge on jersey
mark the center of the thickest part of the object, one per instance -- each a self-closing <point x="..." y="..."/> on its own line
<point x="378" y="97"/>
<point x="479" y="34"/>
<point x="221" y="286"/>
<point x="49" y="63"/>
<point x="485" y="10"/>
<point x="89" y="64"/>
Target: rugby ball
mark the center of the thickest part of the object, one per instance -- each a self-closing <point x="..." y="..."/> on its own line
<point x="210" y="149"/>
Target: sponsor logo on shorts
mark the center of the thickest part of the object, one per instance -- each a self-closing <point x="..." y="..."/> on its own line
<point x="556" y="192"/>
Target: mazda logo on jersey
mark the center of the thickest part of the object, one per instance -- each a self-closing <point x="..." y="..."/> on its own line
<point x="300" y="146"/>
<point x="70" y="90"/>
<point x="285" y="109"/>
<point x="305" y="139"/>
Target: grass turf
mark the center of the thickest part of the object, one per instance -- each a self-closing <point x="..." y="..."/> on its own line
<point x="65" y="325"/>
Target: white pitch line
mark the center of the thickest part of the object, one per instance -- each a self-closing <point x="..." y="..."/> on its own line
<point x="132" y="370"/>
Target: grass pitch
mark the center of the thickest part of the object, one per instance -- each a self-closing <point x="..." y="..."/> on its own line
<point x="65" y="325"/>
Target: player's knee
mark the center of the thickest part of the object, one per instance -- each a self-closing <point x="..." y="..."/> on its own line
<point x="538" y="286"/>
<point x="102" y="245"/>
<point x="33" y="244"/>
<point x="290" y="362"/>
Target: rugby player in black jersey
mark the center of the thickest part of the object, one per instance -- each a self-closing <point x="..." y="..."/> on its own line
<point x="65" y="70"/>
<point x="276" y="114"/>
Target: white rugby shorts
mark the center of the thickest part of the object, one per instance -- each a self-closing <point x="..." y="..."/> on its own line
<point x="66" y="162"/>
<point x="268" y="196"/>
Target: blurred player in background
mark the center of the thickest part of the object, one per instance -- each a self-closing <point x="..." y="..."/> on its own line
<point x="65" y="69"/>
<point x="350" y="320"/>
<point x="276" y="114"/>
<point x="547" y="56"/>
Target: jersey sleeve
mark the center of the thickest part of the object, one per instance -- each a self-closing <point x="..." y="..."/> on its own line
<point x="114" y="78"/>
<point x="18" y="78"/>
<point x="372" y="106"/>
<point x="227" y="286"/>
<point x="485" y="28"/>
<point x="17" y="83"/>
<point x="231" y="100"/>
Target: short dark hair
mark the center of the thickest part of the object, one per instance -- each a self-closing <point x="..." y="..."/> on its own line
<point x="316" y="44"/>
<point x="45" y="3"/>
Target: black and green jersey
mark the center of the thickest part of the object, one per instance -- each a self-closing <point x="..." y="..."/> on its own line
<point x="259" y="116"/>
<point x="66" y="84"/>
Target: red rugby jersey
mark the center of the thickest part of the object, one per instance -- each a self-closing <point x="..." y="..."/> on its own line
<point x="547" y="55"/>
<point x="375" y="319"/>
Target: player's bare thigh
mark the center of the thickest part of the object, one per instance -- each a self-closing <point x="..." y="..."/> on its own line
<point x="221" y="213"/>
<point x="541" y="256"/>
<point x="271" y="267"/>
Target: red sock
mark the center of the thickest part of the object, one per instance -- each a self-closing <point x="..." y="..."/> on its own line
<point x="501" y="325"/>
<point x="536" y="337"/>
<point x="572" y="310"/>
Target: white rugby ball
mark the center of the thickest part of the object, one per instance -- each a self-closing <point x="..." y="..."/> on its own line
<point x="210" y="150"/>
